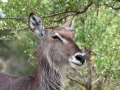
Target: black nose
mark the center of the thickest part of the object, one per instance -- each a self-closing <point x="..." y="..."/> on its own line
<point x="81" y="58"/>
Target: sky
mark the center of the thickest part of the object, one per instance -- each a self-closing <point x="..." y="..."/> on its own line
<point x="4" y="0"/>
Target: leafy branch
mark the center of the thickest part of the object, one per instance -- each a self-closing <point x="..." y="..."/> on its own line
<point x="75" y="12"/>
<point x="113" y="7"/>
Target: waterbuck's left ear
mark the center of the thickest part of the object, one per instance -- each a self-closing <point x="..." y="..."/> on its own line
<point x="69" y="25"/>
<point x="35" y="24"/>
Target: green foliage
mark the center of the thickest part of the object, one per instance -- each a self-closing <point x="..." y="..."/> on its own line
<point x="96" y="30"/>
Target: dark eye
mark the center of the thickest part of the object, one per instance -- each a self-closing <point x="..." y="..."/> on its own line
<point x="54" y="36"/>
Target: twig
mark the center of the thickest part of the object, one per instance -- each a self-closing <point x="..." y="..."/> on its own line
<point x="30" y="62"/>
<point x="98" y="54"/>
<point x="15" y="18"/>
<point x="59" y="20"/>
<point x="23" y="28"/>
<point x="17" y="29"/>
<point x="76" y="81"/>
<point x="79" y="74"/>
<point x="30" y="58"/>
<point x="96" y="80"/>
<point x="116" y="84"/>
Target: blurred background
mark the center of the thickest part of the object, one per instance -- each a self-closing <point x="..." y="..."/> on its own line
<point x="97" y="32"/>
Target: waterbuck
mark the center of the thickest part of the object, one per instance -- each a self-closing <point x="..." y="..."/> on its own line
<point x="56" y="49"/>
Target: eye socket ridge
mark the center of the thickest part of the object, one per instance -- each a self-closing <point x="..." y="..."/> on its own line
<point x="58" y="36"/>
<point x="54" y="36"/>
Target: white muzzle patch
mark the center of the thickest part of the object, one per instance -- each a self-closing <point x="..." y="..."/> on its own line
<point x="74" y="62"/>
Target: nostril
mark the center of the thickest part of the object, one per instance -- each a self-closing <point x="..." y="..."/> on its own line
<point x="81" y="58"/>
<point x="78" y="57"/>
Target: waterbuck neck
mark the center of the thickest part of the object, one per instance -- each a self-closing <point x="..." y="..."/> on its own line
<point x="50" y="75"/>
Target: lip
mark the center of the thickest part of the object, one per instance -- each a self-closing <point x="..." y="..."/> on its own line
<point x="76" y="63"/>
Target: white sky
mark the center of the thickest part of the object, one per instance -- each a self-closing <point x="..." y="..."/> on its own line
<point x="4" y="0"/>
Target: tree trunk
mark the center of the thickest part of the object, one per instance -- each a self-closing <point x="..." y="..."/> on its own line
<point x="89" y="70"/>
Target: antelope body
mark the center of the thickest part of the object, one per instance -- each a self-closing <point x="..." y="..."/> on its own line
<point x="56" y="49"/>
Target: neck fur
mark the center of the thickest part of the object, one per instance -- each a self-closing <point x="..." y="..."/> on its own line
<point x="50" y="75"/>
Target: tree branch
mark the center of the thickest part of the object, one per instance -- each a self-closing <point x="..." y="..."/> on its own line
<point x="113" y="7"/>
<point x="89" y="69"/>
<point x="56" y="14"/>
<point x="75" y="12"/>
<point x="71" y="11"/>
<point x="85" y="9"/>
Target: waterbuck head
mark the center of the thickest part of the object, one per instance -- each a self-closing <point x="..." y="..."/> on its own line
<point x="57" y="44"/>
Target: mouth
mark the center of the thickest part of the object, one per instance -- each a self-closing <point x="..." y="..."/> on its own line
<point x="76" y="63"/>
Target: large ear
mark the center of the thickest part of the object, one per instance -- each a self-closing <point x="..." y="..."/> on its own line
<point x="69" y="25"/>
<point x="35" y="24"/>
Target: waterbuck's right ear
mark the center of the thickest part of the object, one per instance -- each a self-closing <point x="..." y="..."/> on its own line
<point x="69" y="25"/>
<point x="35" y="24"/>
